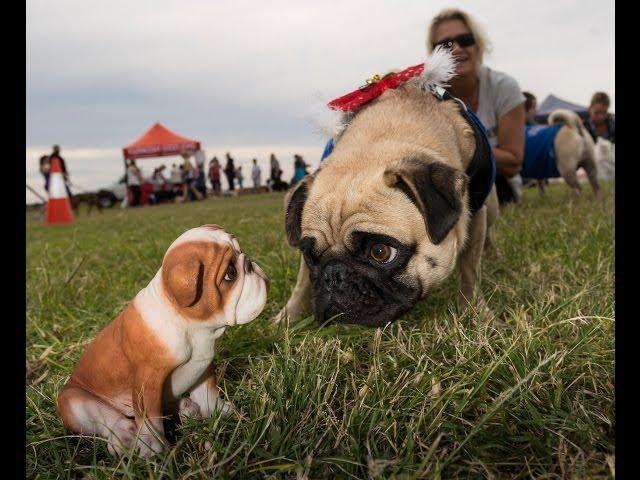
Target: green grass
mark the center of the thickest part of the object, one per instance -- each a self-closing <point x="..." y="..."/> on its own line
<point x="441" y="393"/>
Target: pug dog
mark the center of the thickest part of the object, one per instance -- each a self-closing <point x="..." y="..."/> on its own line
<point x="559" y="149"/>
<point x="403" y="197"/>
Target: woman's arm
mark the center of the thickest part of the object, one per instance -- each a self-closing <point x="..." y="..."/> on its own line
<point x="509" y="152"/>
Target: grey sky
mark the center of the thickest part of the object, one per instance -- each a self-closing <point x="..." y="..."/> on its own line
<point x="241" y="74"/>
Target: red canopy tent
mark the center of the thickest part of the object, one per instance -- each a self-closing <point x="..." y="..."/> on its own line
<point x="159" y="141"/>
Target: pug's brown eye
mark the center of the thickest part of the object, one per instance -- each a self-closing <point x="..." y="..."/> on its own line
<point x="231" y="273"/>
<point x="382" y="253"/>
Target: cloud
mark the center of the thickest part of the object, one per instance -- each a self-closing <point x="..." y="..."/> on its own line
<point x="244" y="73"/>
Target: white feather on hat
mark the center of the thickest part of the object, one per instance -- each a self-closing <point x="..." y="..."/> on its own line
<point x="439" y="68"/>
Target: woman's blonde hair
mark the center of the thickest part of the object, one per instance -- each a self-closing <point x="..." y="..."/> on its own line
<point x="482" y="41"/>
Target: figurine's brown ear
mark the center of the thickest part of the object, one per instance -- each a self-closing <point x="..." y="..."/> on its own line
<point x="294" y="204"/>
<point x="435" y="188"/>
<point x="183" y="280"/>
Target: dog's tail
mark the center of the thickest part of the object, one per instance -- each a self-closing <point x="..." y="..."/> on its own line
<point x="567" y="117"/>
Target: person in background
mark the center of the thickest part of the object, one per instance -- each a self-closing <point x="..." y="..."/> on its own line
<point x="230" y="172"/>
<point x="530" y="111"/>
<point x="187" y="177"/>
<point x="158" y="178"/>
<point x="239" y="177"/>
<point x="600" y="123"/>
<point x="493" y="96"/>
<point x="530" y="108"/>
<point x="163" y="188"/>
<point x="45" y="168"/>
<point x="191" y="172"/>
<point x="276" y="172"/>
<point x="134" y="180"/>
<point x="63" y="166"/>
<point x="256" y="173"/>
<point x="199" y="183"/>
<point x="304" y="165"/>
<point x="214" y="176"/>
<point x="175" y="178"/>
<point x="159" y="183"/>
<point x="299" y="169"/>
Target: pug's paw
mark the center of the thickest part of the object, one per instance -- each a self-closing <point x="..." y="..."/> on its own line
<point x="483" y="310"/>
<point x="280" y="317"/>
<point x="477" y="306"/>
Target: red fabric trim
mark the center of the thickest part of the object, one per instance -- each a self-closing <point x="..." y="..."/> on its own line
<point x="354" y="100"/>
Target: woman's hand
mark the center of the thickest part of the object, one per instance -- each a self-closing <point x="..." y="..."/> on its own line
<point x="509" y="152"/>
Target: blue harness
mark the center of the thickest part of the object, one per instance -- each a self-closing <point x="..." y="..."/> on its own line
<point x="539" y="152"/>
<point x="481" y="170"/>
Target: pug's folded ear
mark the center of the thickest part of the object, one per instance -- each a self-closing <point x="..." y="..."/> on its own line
<point x="435" y="188"/>
<point x="294" y="204"/>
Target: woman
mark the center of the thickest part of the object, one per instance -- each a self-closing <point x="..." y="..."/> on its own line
<point x="493" y="96"/>
<point x="600" y="123"/>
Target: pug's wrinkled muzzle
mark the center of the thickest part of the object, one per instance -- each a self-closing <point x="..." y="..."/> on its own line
<point x="343" y="295"/>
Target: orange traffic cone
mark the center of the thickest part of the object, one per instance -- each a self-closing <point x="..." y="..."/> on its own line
<point x="58" y="206"/>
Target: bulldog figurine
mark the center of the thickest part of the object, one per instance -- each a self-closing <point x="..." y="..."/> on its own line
<point x="156" y="357"/>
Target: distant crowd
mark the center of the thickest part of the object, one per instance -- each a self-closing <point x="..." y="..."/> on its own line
<point x="187" y="182"/>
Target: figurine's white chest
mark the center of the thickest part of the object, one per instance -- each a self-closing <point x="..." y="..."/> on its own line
<point x="196" y="354"/>
<point x="189" y="343"/>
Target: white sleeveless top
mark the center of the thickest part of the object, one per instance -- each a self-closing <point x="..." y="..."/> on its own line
<point x="499" y="93"/>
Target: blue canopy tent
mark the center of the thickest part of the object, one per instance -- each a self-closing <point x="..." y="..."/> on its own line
<point x="552" y="103"/>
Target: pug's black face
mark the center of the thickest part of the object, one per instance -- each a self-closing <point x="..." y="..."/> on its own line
<point x="360" y="285"/>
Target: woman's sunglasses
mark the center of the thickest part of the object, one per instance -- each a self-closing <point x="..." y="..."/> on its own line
<point x="464" y="40"/>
